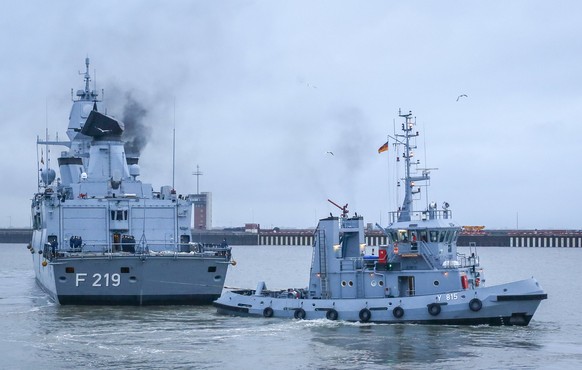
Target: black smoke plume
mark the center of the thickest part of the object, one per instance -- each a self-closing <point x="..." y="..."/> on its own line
<point x="136" y="134"/>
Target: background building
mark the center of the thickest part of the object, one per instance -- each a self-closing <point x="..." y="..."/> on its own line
<point x="202" y="210"/>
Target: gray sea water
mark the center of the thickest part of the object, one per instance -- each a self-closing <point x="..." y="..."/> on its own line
<point x="36" y="333"/>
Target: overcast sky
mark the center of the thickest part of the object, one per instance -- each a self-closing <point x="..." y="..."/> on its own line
<point x="264" y="89"/>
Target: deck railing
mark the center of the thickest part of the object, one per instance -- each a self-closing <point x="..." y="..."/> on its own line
<point x="423" y="215"/>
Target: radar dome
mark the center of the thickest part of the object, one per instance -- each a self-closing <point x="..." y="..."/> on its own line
<point x="48" y="176"/>
<point x="134" y="170"/>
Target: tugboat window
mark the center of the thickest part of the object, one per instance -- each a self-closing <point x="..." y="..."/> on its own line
<point x="434" y="236"/>
<point x="442" y="236"/>
<point x="413" y="238"/>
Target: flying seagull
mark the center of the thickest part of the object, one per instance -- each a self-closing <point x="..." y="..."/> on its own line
<point x="102" y="130"/>
<point x="462" y="96"/>
<point x="330" y="153"/>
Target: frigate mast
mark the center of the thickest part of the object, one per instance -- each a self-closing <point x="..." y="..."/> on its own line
<point x="87" y="94"/>
<point x="409" y="181"/>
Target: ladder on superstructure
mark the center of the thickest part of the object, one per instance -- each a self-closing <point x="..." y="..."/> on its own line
<point x="322" y="264"/>
<point x="426" y="252"/>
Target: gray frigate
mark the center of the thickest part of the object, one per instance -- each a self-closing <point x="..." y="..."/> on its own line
<point x="418" y="277"/>
<point x="103" y="237"/>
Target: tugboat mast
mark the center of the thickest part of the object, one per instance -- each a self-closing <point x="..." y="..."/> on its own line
<point x="406" y="210"/>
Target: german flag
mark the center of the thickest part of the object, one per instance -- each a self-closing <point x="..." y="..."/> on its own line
<point x="383" y="148"/>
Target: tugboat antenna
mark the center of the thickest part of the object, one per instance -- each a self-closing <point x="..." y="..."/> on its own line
<point x="409" y="180"/>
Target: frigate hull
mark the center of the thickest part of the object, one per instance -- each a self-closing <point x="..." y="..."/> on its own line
<point x="508" y="304"/>
<point x="132" y="280"/>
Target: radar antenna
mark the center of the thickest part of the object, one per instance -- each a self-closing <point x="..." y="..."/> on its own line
<point x="87" y="76"/>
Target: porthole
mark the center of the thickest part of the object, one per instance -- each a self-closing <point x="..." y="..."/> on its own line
<point x="436" y="283"/>
<point x="381" y="283"/>
<point x="132" y="279"/>
<point x="217" y="277"/>
<point x="62" y="279"/>
<point x="351" y="283"/>
<point x="344" y="283"/>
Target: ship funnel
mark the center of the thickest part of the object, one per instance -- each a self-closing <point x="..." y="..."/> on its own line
<point x="106" y="155"/>
<point x="99" y="126"/>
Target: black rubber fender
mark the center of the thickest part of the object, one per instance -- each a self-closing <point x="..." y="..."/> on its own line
<point x="268" y="312"/>
<point x="398" y="312"/>
<point x="299" y="314"/>
<point x="475" y="304"/>
<point x="331" y="315"/>
<point x="434" y="309"/>
<point x="365" y="315"/>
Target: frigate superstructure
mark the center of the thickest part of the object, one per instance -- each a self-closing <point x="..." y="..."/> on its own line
<point x="103" y="237"/>
<point x="418" y="277"/>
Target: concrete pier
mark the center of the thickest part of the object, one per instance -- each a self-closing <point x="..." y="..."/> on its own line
<point x="276" y="236"/>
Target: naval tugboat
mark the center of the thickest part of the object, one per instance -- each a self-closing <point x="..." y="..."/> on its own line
<point x="101" y="236"/>
<point x="419" y="277"/>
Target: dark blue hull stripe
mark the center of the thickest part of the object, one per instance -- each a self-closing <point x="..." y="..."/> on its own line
<point x="134" y="300"/>
<point x="522" y="297"/>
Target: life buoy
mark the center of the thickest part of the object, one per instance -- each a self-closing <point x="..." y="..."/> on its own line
<point x="268" y="312"/>
<point x="299" y="314"/>
<point x="331" y="315"/>
<point x="398" y="312"/>
<point x="434" y="309"/>
<point x="475" y="304"/>
<point x="365" y="315"/>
